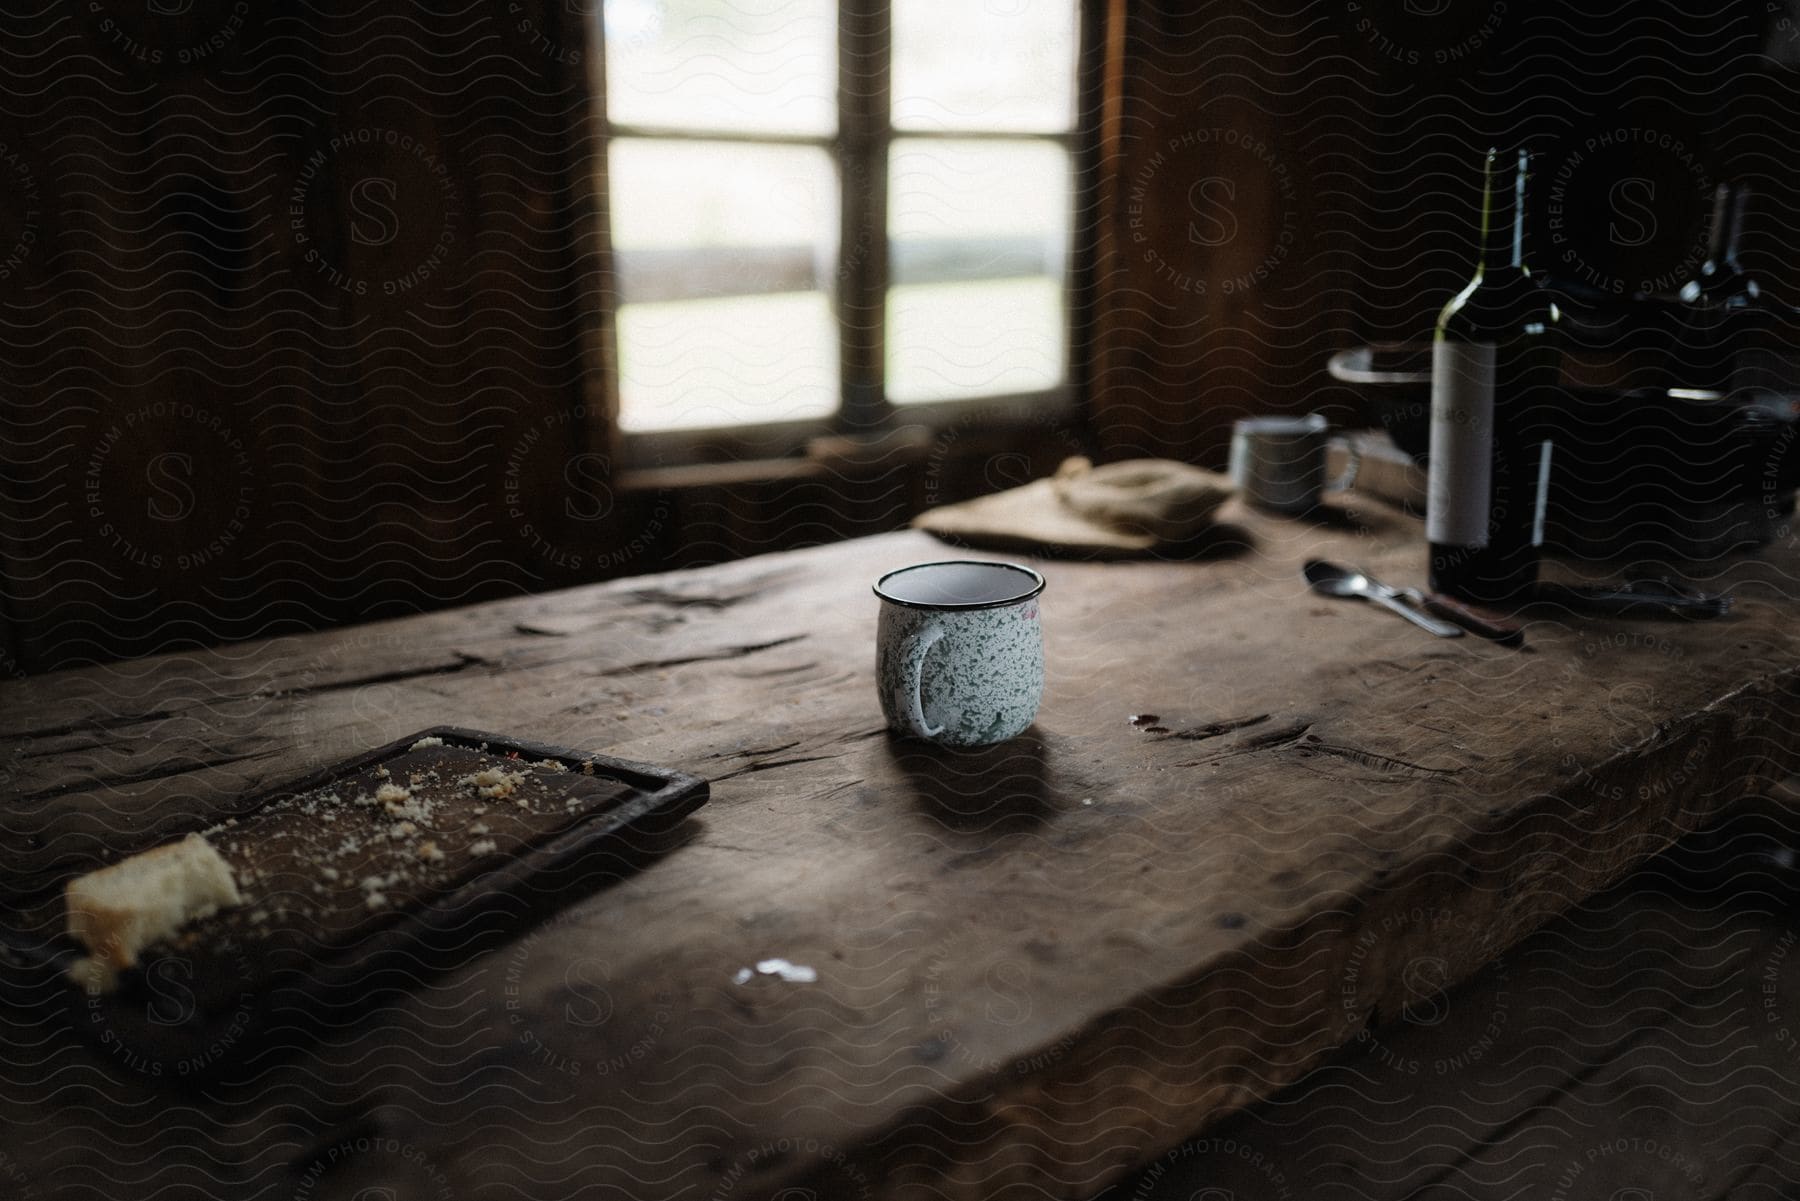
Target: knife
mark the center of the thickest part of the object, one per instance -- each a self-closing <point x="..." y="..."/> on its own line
<point x="1639" y="597"/>
<point x="1495" y="627"/>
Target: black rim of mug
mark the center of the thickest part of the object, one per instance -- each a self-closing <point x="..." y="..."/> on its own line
<point x="1037" y="586"/>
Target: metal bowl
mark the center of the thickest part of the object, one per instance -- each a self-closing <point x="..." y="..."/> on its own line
<point x="1396" y="378"/>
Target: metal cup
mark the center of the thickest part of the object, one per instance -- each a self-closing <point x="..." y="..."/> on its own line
<point x="1278" y="463"/>
<point x="959" y="650"/>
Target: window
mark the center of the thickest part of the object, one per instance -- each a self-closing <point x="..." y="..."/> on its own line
<point x="758" y="150"/>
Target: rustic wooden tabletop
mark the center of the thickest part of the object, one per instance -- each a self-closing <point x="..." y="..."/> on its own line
<point x="1244" y="816"/>
<point x="1641" y="1047"/>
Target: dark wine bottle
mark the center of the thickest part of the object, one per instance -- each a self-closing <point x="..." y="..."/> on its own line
<point x="1724" y="320"/>
<point x="1721" y="280"/>
<point x="1494" y="374"/>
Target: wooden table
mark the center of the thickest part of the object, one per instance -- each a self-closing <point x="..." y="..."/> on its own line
<point x="1642" y="1045"/>
<point x="1036" y="965"/>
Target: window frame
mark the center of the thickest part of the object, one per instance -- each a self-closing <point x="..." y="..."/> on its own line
<point x="861" y="144"/>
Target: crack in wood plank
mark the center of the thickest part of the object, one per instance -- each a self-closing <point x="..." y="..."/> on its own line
<point x="768" y="672"/>
<point x="1275" y="737"/>
<point x="767" y="764"/>
<point x="730" y="652"/>
<point x="1213" y="729"/>
<point x="465" y="660"/>
<point x="161" y="771"/>
<point x="95" y="725"/>
<point x="751" y="752"/>
<point x="1375" y="760"/>
<point x="1266" y="740"/>
<point x="714" y="601"/>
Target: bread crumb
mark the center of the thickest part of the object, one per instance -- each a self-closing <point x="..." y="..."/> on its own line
<point x="485" y="846"/>
<point x="376" y="900"/>
<point x="479" y="828"/>
<point x="402" y="830"/>
<point x="420" y="745"/>
<point x="430" y="852"/>
<point x="494" y="783"/>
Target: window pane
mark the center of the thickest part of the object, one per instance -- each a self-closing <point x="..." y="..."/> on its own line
<point x="693" y="219"/>
<point x="980" y="198"/>
<point x="978" y="236"/>
<point x="965" y="340"/>
<point x="1002" y="65"/>
<point x="689" y="364"/>
<point x="751" y="65"/>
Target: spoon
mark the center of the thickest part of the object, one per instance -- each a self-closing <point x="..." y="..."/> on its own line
<point x="1332" y="580"/>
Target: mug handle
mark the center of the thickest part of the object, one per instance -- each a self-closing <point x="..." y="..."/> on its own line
<point x="1238" y="469"/>
<point x="1352" y="465"/>
<point x="909" y="698"/>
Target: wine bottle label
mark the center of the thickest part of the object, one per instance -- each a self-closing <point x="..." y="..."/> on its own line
<point x="1460" y="480"/>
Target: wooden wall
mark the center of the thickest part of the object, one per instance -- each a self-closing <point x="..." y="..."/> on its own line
<point x="298" y="305"/>
<point x="1291" y="177"/>
<point x="297" y="281"/>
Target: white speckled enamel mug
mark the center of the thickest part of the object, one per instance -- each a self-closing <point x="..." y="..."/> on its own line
<point x="959" y="655"/>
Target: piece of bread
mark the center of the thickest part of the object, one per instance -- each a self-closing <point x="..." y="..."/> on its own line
<point x="119" y="910"/>
<point x="1167" y="500"/>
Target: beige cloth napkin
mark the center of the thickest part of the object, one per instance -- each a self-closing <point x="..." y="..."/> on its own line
<point x="1119" y="508"/>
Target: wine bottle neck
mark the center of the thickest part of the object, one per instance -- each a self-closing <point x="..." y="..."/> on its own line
<point x="1734" y="226"/>
<point x="1721" y="219"/>
<point x="1503" y="218"/>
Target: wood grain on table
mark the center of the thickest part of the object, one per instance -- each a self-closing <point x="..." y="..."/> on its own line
<point x="1036" y="965"/>
<point x="1640" y="1046"/>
